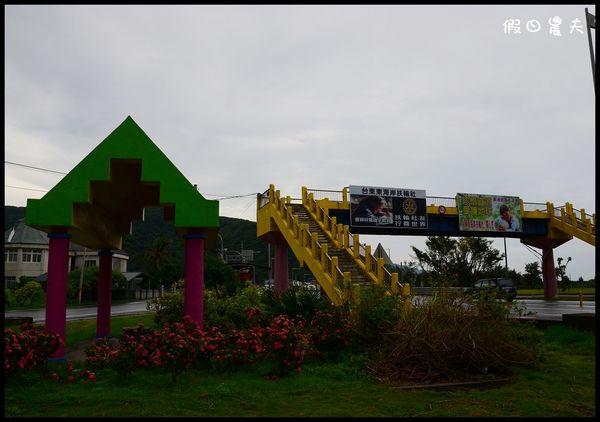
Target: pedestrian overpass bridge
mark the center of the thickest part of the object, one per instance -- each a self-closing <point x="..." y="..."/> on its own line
<point x="316" y="227"/>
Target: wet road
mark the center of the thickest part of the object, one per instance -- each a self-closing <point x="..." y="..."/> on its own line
<point x="550" y="310"/>
<point x="553" y="310"/>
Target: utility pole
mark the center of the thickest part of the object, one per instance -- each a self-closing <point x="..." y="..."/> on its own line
<point x="81" y="276"/>
<point x="590" y="21"/>
<point x="505" y="259"/>
<point x="222" y="256"/>
<point x="269" y="260"/>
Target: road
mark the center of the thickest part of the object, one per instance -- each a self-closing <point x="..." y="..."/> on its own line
<point x="549" y="310"/>
<point x="89" y="312"/>
<point x="553" y="310"/>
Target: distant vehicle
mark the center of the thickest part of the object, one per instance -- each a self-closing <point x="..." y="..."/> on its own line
<point x="312" y="285"/>
<point x="503" y="288"/>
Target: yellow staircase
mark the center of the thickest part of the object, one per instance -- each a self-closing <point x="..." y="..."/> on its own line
<point x="566" y="221"/>
<point x="339" y="262"/>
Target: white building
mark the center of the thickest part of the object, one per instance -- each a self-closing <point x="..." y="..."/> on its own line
<point x="26" y="254"/>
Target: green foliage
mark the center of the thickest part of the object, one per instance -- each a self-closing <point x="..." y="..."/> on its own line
<point x="168" y="309"/>
<point x="375" y="313"/>
<point x="461" y="261"/>
<point x="227" y="312"/>
<point x="532" y="277"/>
<point x="90" y="284"/>
<point x="220" y="277"/>
<point x="296" y="301"/>
<point x="9" y="298"/>
<point x="30" y="294"/>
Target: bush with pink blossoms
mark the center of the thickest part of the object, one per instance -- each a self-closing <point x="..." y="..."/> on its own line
<point x="286" y="344"/>
<point x="28" y="349"/>
<point x="69" y="374"/>
<point x="330" y="333"/>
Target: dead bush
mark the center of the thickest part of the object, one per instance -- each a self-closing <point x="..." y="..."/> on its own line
<point x="451" y="337"/>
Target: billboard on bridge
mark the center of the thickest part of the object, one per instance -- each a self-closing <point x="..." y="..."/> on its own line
<point x="375" y="206"/>
<point x="493" y="213"/>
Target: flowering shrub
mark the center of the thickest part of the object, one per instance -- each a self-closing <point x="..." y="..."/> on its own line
<point x="286" y="344"/>
<point x="177" y="346"/>
<point x="70" y="374"/>
<point x="330" y="333"/>
<point x="28" y="349"/>
<point x="245" y="347"/>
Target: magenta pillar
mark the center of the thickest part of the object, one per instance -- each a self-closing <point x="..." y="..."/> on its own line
<point x="281" y="265"/>
<point x="56" y="288"/>
<point x="548" y="272"/>
<point x="194" y="277"/>
<point x="104" y="293"/>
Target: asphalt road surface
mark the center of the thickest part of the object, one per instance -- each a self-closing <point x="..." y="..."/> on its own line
<point x="550" y="310"/>
<point x="39" y="315"/>
<point x="553" y="310"/>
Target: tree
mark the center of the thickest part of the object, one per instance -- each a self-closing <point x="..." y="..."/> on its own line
<point x="218" y="274"/>
<point x="560" y="271"/>
<point x="90" y="284"/>
<point x="532" y="276"/>
<point x="458" y="261"/>
<point x="158" y="257"/>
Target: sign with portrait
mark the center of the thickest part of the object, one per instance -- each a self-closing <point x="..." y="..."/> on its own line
<point x="374" y="206"/>
<point x="492" y="213"/>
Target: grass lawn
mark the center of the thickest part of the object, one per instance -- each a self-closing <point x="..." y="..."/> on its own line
<point x="562" y="383"/>
<point x="569" y="291"/>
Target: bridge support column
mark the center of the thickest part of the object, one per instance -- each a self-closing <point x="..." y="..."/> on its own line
<point x="281" y="265"/>
<point x="194" y="277"/>
<point x="56" y="289"/>
<point x="104" y="293"/>
<point x="548" y="272"/>
<point x="547" y="245"/>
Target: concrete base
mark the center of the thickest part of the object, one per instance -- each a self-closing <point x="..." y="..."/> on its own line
<point x="580" y="321"/>
<point x="17" y="321"/>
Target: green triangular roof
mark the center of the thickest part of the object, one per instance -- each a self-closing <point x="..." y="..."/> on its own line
<point x="73" y="205"/>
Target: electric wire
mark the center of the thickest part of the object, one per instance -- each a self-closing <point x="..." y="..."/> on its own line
<point x="221" y="197"/>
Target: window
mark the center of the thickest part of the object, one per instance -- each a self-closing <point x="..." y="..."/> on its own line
<point x="32" y="255"/>
<point x="10" y="255"/>
<point x="11" y="282"/>
<point x="116" y="264"/>
<point x="90" y="263"/>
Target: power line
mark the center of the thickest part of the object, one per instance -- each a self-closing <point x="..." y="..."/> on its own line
<point x="19" y="187"/>
<point x="35" y="168"/>
<point x="60" y="172"/>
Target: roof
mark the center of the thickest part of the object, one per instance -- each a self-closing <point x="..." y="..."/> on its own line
<point x="381" y="253"/>
<point x="97" y="200"/>
<point x="21" y="233"/>
<point x="130" y="275"/>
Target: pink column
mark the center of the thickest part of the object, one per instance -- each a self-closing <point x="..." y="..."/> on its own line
<point x="281" y="265"/>
<point x="548" y="273"/>
<point x="56" y="288"/>
<point x="194" y="277"/>
<point x="104" y="293"/>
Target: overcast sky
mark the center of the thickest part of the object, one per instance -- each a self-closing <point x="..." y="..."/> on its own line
<point x="437" y="98"/>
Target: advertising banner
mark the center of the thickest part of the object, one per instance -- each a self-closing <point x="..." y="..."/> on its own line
<point x="372" y="206"/>
<point x="492" y="213"/>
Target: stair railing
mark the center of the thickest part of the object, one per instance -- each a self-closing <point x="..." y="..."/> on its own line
<point x="309" y="240"/>
<point x="567" y="214"/>
<point x="341" y="237"/>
